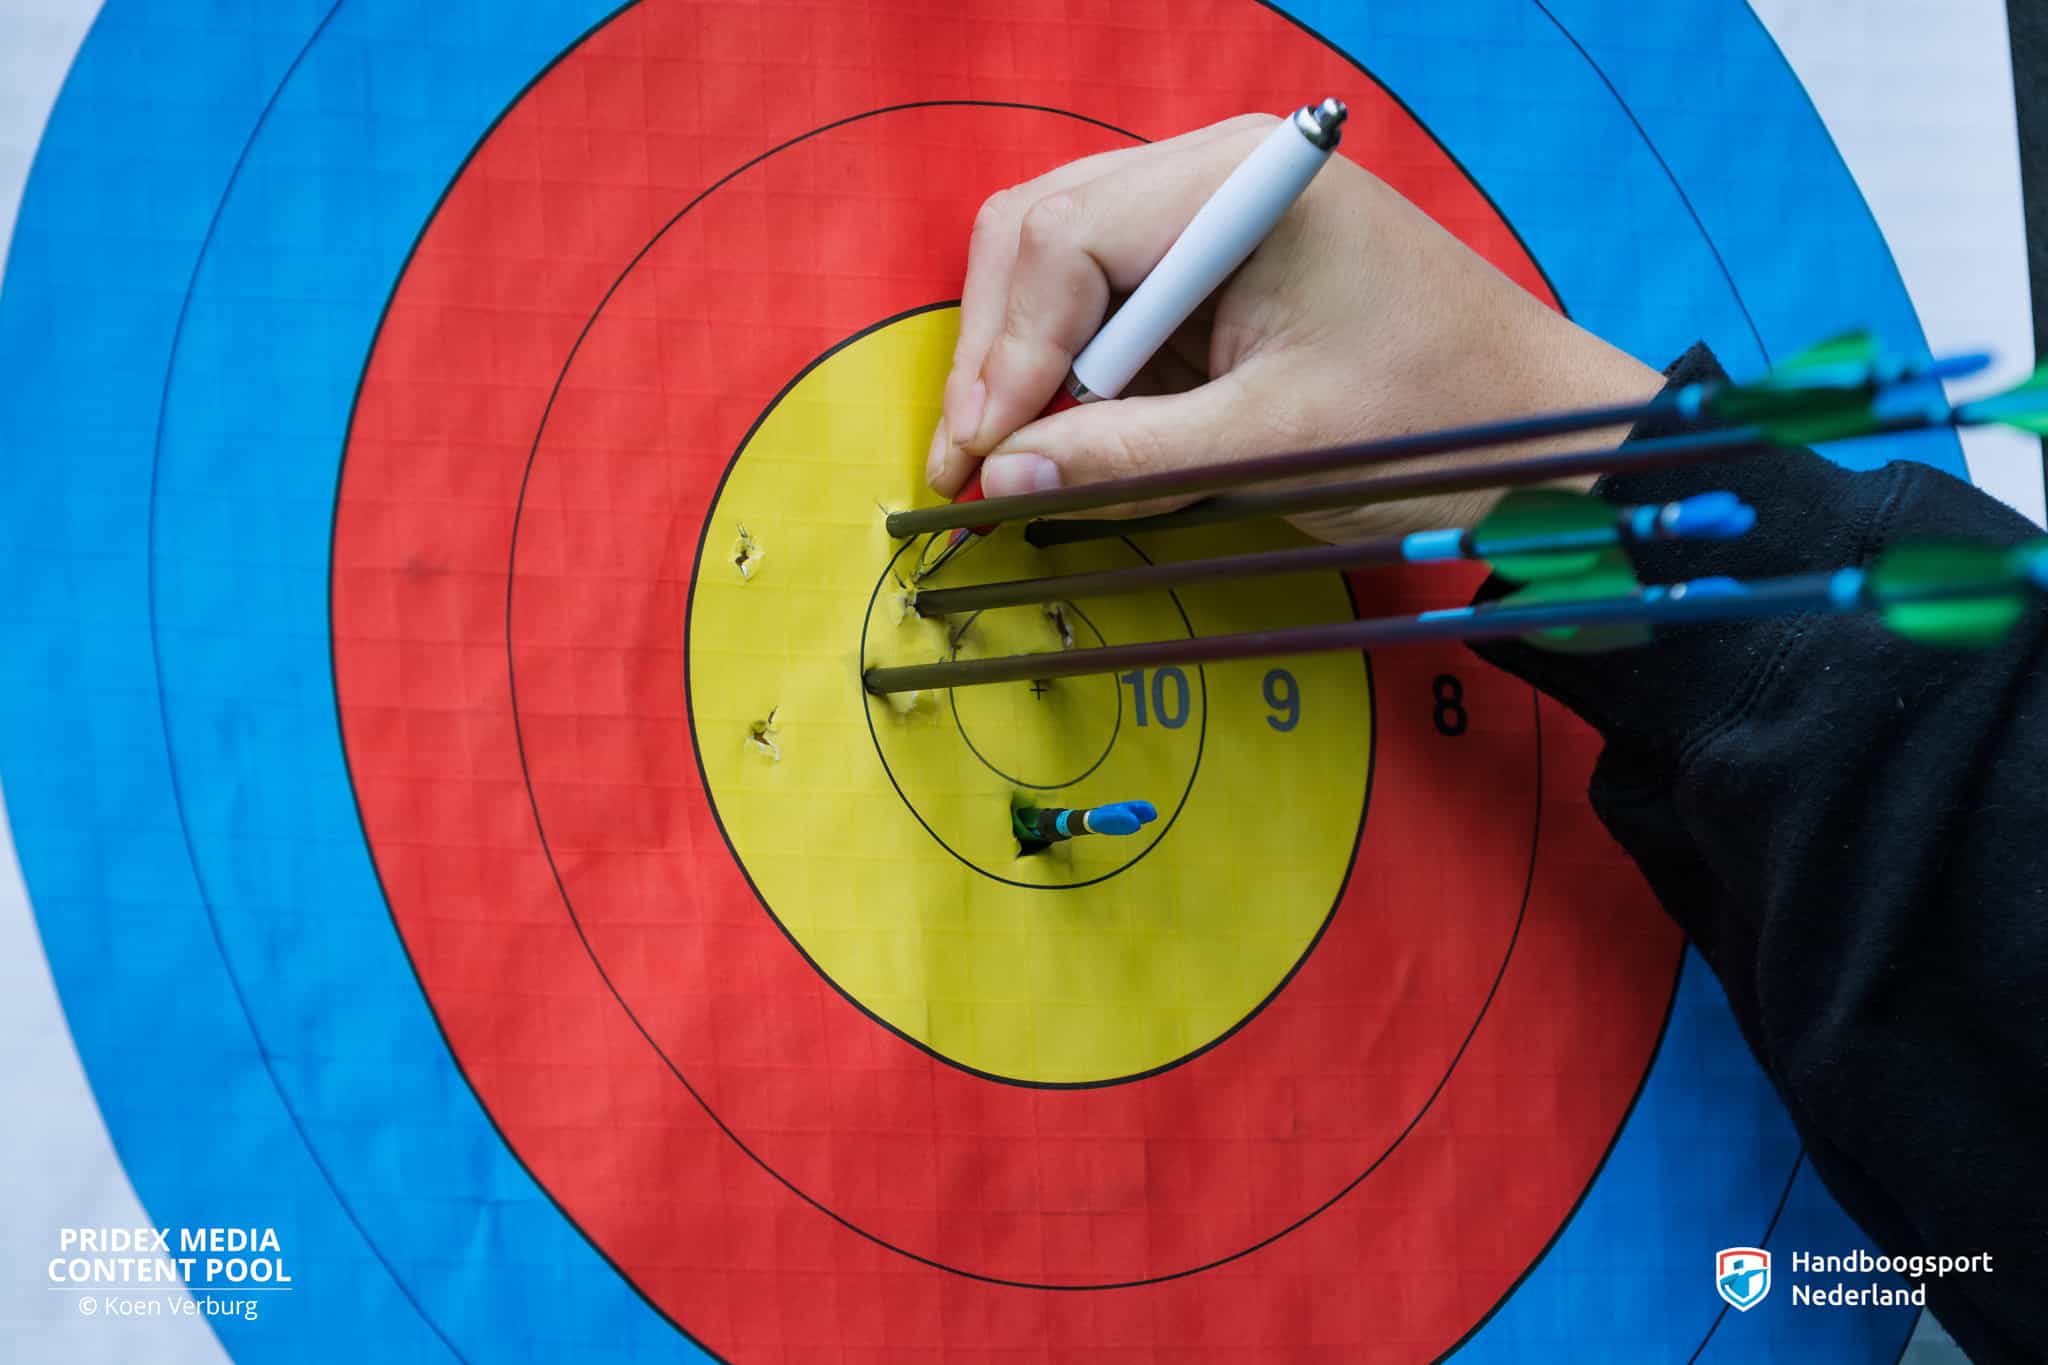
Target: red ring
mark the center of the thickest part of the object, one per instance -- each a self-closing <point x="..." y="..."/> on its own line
<point x="452" y="398"/>
<point x="762" y="1059"/>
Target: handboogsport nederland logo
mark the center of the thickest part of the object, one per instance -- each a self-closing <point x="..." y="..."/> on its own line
<point x="1743" y="1275"/>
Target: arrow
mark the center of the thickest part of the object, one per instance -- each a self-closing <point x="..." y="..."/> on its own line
<point x="1824" y="392"/>
<point x="1552" y="533"/>
<point x="2024" y="406"/>
<point x="1951" y="593"/>
<point x="1956" y="594"/>
<point x="1038" y="829"/>
<point x="1778" y="399"/>
<point x="1535" y="533"/>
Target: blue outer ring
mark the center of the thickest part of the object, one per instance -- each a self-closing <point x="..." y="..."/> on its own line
<point x="182" y="812"/>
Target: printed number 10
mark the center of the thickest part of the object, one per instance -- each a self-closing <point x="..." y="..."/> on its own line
<point x="1170" y="696"/>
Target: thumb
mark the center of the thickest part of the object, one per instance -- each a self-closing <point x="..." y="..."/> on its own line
<point x="1119" y="438"/>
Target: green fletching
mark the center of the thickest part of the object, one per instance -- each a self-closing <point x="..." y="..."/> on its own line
<point x="1945" y="567"/>
<point x="1588" y="639"/>
<point x="2024" y="405"/>
<point x="1528" y="512"/>
<point x="1949" y="592"/>
<point x="1539" y="566"/>
<point x="1609" y="576"/>
<point x="1512" y="537"/>
<point x="1840" y="362"/>
<point x="1821" y="394"/>
<point x="1830" y="417"/>
<point x="1797" y="416"/>
<point x="1977" y="623"/>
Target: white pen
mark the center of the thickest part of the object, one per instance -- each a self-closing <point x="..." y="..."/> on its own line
<point x="1225" y="231"/>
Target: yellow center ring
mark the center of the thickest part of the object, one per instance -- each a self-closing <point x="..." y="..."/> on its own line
<point x="877" y="832"/>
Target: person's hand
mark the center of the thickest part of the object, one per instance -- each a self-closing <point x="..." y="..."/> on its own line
<point x="1357" y="318"/>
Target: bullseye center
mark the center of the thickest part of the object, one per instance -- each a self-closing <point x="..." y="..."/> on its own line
<point x="1057" y="741"/>
<point x="1044" y="734"/>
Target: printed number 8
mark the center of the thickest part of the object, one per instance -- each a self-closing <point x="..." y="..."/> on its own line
<point x="1450" y="704"/>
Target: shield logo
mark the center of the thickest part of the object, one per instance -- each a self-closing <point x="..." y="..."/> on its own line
<point x="1743" y="1276"/>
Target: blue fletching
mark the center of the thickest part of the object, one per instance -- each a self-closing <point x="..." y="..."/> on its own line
<point x="1719" y="515"/>
<point x="1959" y="366"/>
<point x="1121" y="817"/>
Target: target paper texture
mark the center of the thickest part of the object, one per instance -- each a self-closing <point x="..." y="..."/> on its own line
<point x="387" y="714"/>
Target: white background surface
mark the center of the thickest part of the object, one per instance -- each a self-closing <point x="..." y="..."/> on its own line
<point x="1918" y="97"/>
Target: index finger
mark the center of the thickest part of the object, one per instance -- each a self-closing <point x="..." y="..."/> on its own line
<point x="992" y="245"/>
<point x="992" y="257"/>
<point x="1075" y="249"/>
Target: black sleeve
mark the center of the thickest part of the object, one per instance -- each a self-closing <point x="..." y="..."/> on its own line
<point x="1853" y="830"/>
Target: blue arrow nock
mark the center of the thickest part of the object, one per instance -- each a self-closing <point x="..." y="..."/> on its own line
<point x="1718" y="515"/>
<point x="1121" y="817"/>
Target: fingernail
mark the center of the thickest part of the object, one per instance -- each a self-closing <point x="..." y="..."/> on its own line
<point x="965" y="420"/>
<point x="1004" y="475"/>
<point x="936" y="460"/>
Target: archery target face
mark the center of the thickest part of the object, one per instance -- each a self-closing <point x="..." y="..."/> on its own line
<point x="818" y="952"/>
<point x="1349" y="1054"/>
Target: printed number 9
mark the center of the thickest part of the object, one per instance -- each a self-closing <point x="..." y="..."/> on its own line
<point x="1285" y="699"/>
